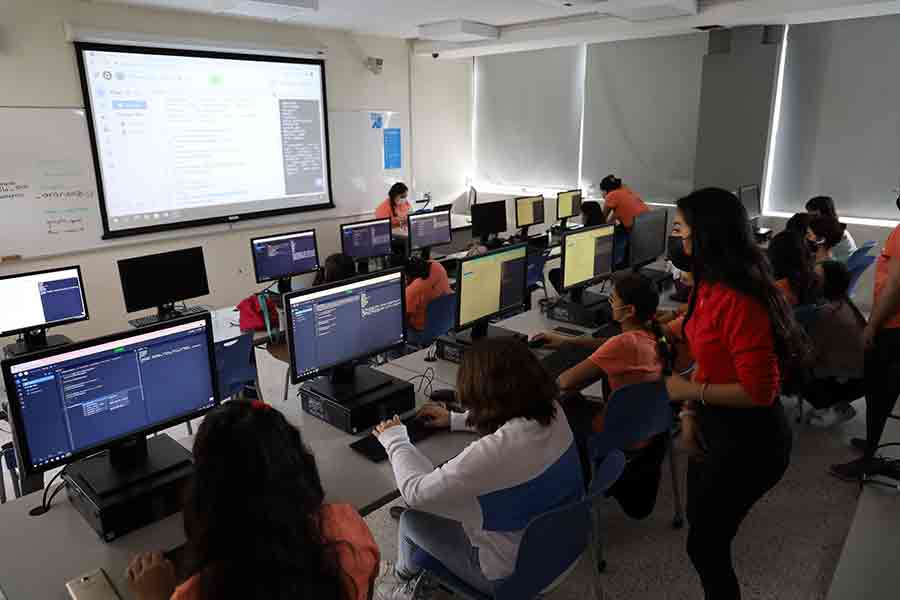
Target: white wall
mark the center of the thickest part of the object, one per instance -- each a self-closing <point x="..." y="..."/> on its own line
<point x="39" y="69"/>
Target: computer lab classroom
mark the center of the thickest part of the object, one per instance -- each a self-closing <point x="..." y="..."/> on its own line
<point x="410" y="299"/>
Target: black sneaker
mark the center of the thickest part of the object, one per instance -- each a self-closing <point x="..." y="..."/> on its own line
<point x="859" y="444"/>
<point x="857" y="469"/>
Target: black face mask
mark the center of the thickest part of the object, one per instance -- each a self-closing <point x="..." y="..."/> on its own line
<point x="813" y="246"/>
<point x="680" y="259"/>
<point x="898" y="202"/>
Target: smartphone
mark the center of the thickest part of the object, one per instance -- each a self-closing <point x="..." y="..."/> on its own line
<point x="92" y="586"/>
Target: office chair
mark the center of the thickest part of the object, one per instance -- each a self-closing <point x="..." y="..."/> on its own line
<point x="9" y="460"/>
<point x="537" y="262"/>
<point x="235" y="365"/>
<point x="806" y="316"/>
<point x="861" y="253"/>
<point x="440" y="317"/>
<point x="862" y="265"/>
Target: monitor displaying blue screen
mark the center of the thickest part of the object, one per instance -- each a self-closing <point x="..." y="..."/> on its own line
<point x="368" y="239"/>
<point x="285" y="255"/>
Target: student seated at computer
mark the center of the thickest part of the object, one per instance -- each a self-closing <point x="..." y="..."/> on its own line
<point x="395" y="207"/>
<point x="640" y="354"/>
<point x="256" y="521"/>
<point x="338" y="267"/>
<point x="470" y="513"/>
<point x="591" y="214"/>
<point x="824" y="206"/>
<point x="837" y="336"/>
<point x="792" y="266"/>
<point x="823" y="235"/>
<point x="426" y="280"/>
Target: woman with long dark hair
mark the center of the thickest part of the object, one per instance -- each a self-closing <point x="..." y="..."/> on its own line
<point x="824" y="206"/>
<point x="792" y="268"/>
<point x="256" y="521"/>
<point x="396" y="206"/>
<point x="742" y="336"/>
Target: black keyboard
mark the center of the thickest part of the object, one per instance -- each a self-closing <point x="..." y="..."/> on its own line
<point x="154" y="319"/>
<point x="565" y="358"/>
<point x="372" y="449"/>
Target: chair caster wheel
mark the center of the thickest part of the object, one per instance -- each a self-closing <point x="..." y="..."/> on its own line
<point x="678" y="523"/>
<point x="601" y="566"/>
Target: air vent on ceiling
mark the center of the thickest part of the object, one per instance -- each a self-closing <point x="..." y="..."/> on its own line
<point x="458" y="31"/>
<point x="266" y="9"/>
<point x="649" y="10"/>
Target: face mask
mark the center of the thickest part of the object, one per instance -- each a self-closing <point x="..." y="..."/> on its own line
<point x="813" y="246"/>
<point x="898" y="202"/>
<point x="680" y="259"/>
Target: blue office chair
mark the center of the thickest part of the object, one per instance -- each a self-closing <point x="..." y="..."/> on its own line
<point x="235" y="365"/>
<point x="440" y="317"/>
<point x="537" y="262"/>
<point x="856" y="273"/>
<point x="550" y="546"/>
<point x="860" y="254"/>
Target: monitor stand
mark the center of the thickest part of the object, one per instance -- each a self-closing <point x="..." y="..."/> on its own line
<point x="285" y="286"/>
<point x="34" y="340"/>
<point x="482" y="331"/>
<point x="491" y="241"/>
<point x="349" y="382"/>
<point x="426" y="253"/>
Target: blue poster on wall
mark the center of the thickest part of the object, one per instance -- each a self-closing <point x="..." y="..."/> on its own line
<point x="393" y="152"/>
<point x="377" y="120"/>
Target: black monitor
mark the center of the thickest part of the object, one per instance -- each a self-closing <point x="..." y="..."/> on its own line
<point x="366" y="239"/>
<point x="568" y="205"/>
<point x="529" y="211"/>
<point x="749" y="197"/>
<point x="280" y="257"/>
<point x="489" y="286"/>
<point x="160" y="280"/>
<point x="587" y="257"/>
<point x="109" y="393"/>
<point x="32" y="302"/>
<point x="331" y="327"/>
<point x="428" y="229"/>
<point x="488" y="219"/>
<point x="649" y="237"/>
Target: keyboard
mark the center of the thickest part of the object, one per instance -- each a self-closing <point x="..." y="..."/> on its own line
<point x="372" y="449"/>
<point x="154" y="319"/>
<point x="565" y="358"/>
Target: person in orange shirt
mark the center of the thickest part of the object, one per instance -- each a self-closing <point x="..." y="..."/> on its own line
<point x="620" y="204"/>
<point x="395" y="206"/>
<point x="256" y="521"/>
<point x="792" y="267"/>
<point x="426" y="281"/>
<point x="882" y="364"/>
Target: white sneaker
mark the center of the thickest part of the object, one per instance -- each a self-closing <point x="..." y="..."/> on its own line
<point x="832" y="416"/>
<point x="391" y="586"/>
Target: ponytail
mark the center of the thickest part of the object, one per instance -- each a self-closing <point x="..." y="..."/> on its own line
<point x="668" y="353"/>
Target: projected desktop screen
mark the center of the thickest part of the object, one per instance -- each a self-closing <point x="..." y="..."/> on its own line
<point x="344" y="322"/>
<point x="367" y="239"/>
<point x="40" y="299"/>
<point x="568" y="204"/>
<point x="285" y="255"/>
<point x="73" y="401"/>
<point x="649" y="237"/>
<point x="587" y="255"/>
<point x="185" y="137"/>
<point x="158" y="279"/>
<point x="529" y="211"/>
<point x="429" y="229"/>
<point x="491" y="284"/>
<point x="749" y="197"/>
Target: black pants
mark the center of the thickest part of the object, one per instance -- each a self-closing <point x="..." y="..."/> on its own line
<point x="748" y="451"/>
<point x="882" y="385"/>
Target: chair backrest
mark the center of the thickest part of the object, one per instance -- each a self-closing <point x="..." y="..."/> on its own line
<point x="607" y="473"/>
<point x="535" y="273"/>
<point x="551" y="545"/>
<point x="806" y="314"/>
<point x="634" y="413"/>
<point x="857" y="272"/>
<point x="861" y="252"/>
<point x="234" y="363"/>
<point x="440" y="316"/>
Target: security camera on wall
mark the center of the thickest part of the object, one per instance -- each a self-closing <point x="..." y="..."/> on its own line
<point x="376" y="65"/>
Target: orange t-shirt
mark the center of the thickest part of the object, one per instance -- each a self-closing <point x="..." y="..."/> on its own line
<point x="384" y="212"/>
<point x="785" y="286"/>
<point x="890" y="252"/>
<point x="626" y="205"/>
<point x="421" y="292"/>
<point x="357" y="553"/>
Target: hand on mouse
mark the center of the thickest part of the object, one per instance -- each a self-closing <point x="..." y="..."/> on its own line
<point x="435" y="415"/>
<point x="151" y="576"/>
<point x="385" y="425"/>
<point x="551" y="340"/>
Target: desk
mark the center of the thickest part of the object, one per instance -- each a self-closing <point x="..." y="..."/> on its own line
<point x="868" y="567"/>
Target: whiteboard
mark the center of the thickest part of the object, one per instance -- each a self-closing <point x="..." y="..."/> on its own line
<point x="48" y="187"/>
<point x="360" y="181"/>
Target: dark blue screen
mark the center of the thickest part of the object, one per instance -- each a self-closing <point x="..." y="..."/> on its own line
<point x="86" y="398"/>
<point x="61" y="299"/>
<point x="429" y="230"/>
<point x="284" y="257"/>
<point x="367" y="241"/>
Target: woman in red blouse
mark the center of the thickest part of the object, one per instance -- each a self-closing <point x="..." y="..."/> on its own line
<point x="739" y="329"/>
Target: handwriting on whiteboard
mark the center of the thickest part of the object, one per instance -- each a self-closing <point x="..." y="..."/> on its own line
<point x="65" y="225"/>
<point x="66" y="195"/>
<point x="10" y="190"/>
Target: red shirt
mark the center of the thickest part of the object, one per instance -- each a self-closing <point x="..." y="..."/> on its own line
<point x="730" y="336"/>
<point x="421" y="292"/>
<point x="626" y="205"/>
<point x="890" y="252"/>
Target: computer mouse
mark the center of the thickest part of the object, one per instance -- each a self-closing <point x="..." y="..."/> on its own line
<point x="537" y="343"/>
<point x="448" y="397"/>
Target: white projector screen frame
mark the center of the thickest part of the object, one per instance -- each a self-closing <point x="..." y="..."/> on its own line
<point x="161" y="220"/>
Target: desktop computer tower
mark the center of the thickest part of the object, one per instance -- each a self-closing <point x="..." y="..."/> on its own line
<point x="362" y="412"/>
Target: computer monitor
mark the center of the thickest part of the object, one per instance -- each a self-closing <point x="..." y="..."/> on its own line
<point x="749" y="197"/>
<point x="160" y="280"/>
<point x="32" y="302"/>
<point x="331" y="327"/>
<point x="649" y="237"/>
<point x="587" y="256"/>
<point x="489" y="286"/>
<point x="366" y="239"/>
<point x="109" y="393"/>
<point x="428" y="229"/>
<point x="568" y="205"/>
<point x="488" y="219"/>
<point x="529" y="211"/>
<point x="280" y="257"/>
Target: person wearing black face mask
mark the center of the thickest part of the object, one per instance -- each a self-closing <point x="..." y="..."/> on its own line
<point x="882" y="340"/>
